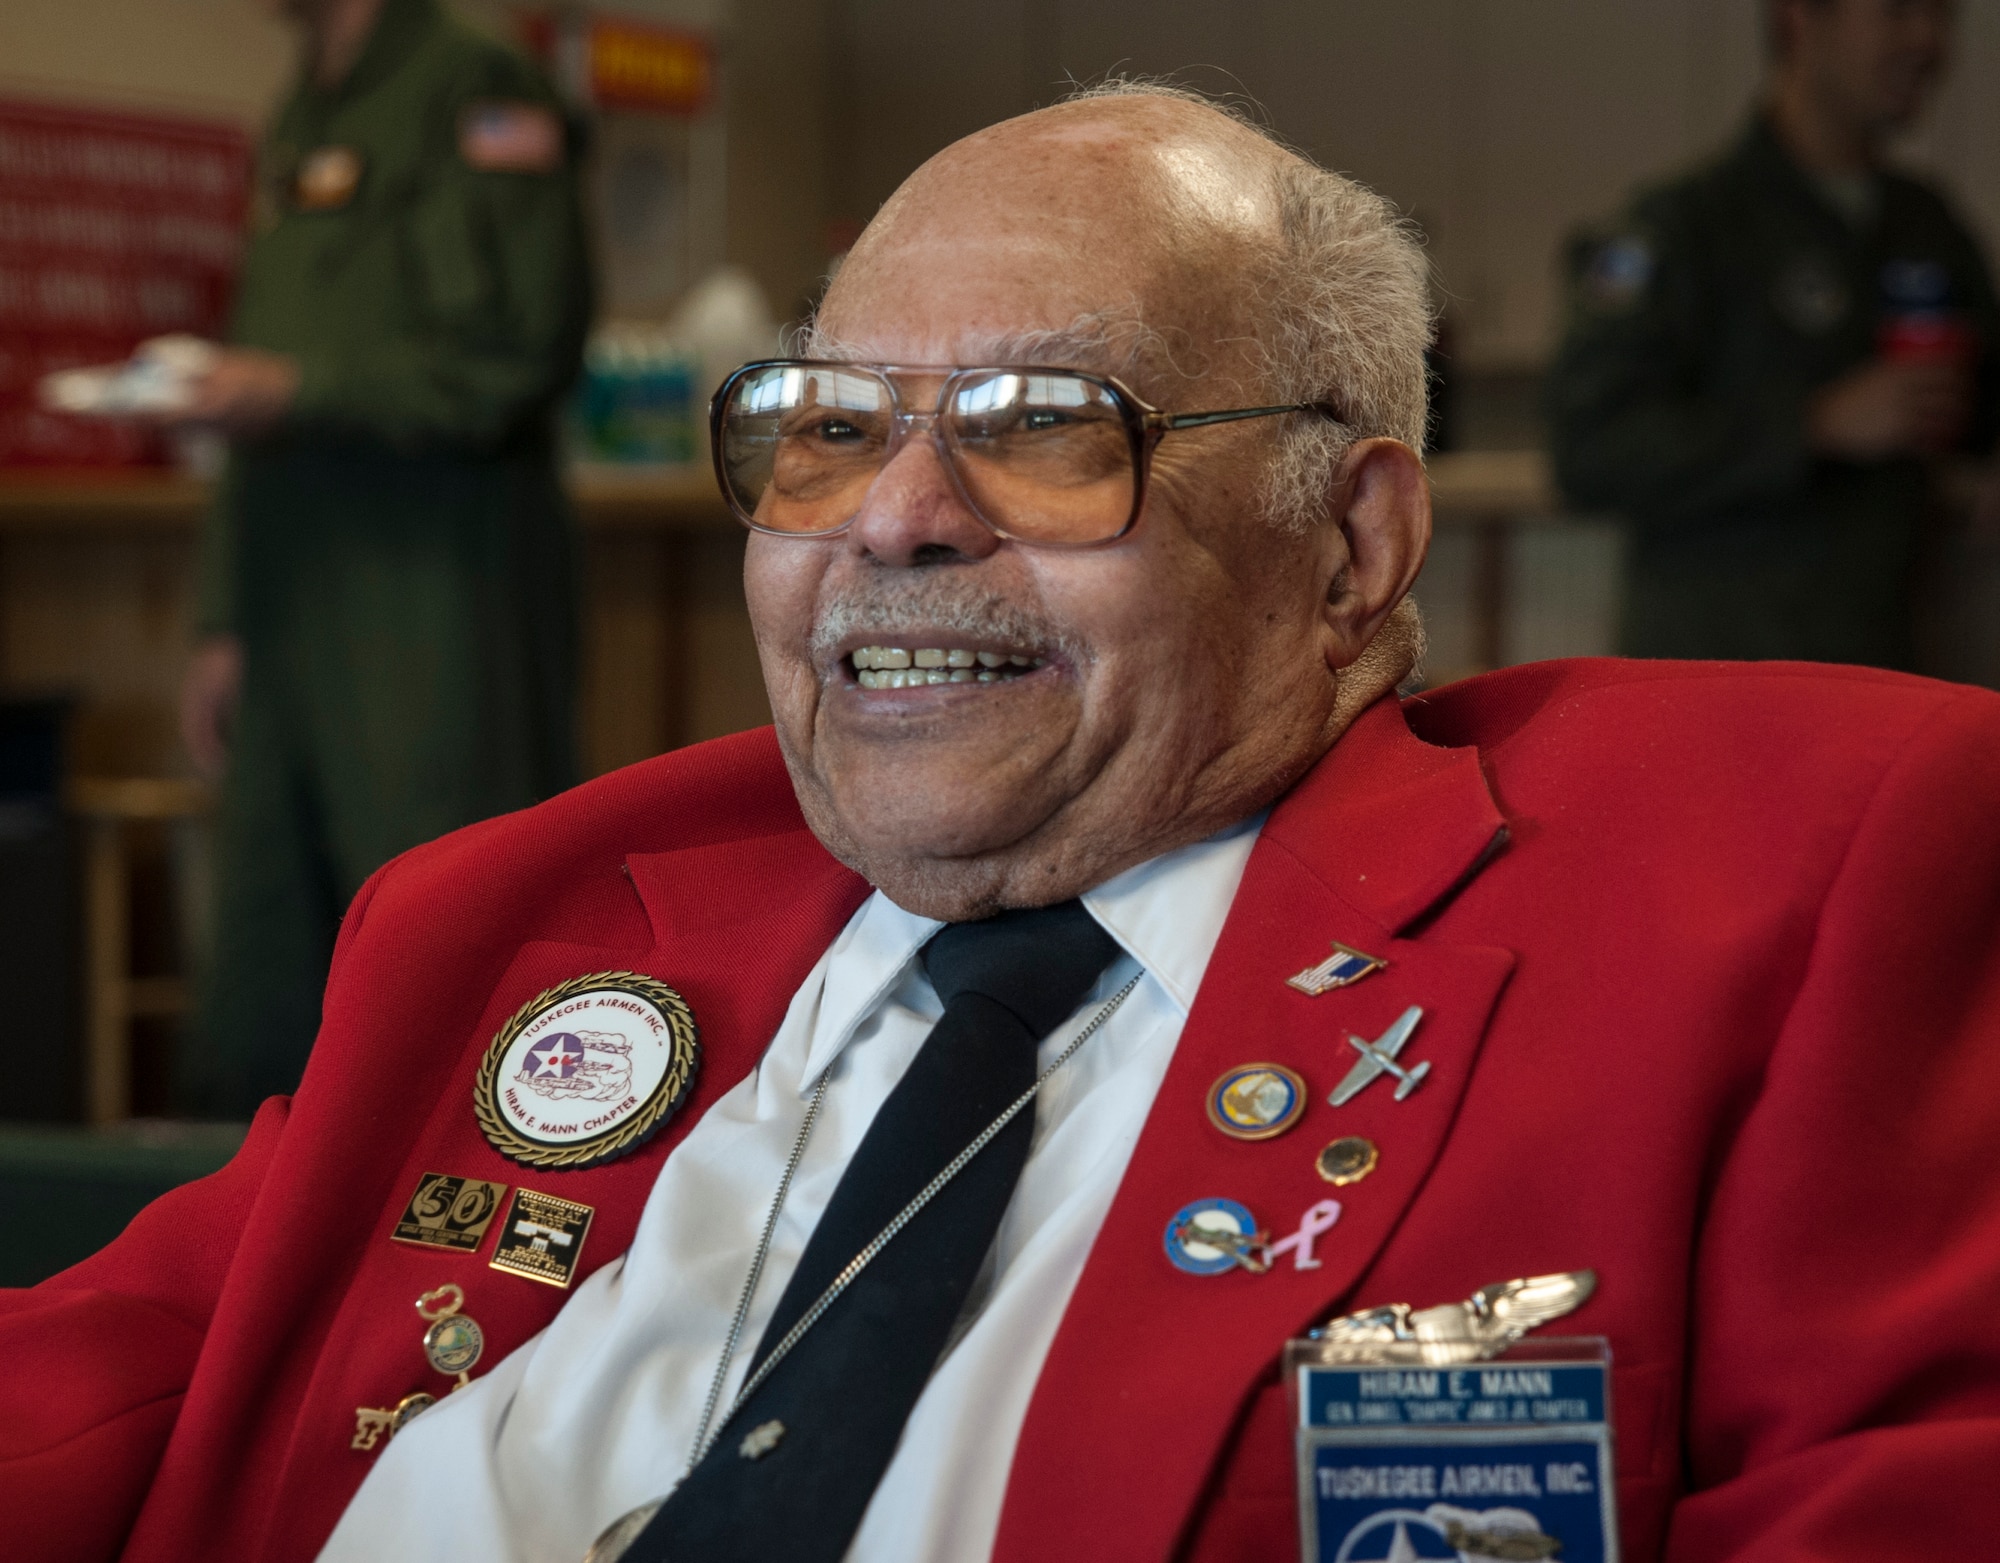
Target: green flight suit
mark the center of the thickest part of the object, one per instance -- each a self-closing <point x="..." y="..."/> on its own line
<point x="396" y="558"/>
<point x="1699" y="325"/>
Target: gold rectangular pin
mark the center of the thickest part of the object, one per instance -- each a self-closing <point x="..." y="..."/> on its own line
<point x="449" y="1212"/>
<point x="542" y="1238"/>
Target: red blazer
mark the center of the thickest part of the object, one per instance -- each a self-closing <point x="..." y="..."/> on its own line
<point x="1710" y="960"/>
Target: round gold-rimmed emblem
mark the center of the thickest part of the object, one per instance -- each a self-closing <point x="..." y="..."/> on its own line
<point x="1347" y="1160"/>
<point x="587" y="1071"/>
<point x="1256" y="1101"/>
<point x="454" y="1345"/>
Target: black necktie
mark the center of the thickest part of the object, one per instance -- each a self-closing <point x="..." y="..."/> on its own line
<point x="842" y="1395"/>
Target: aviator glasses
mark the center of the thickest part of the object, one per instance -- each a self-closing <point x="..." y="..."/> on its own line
<point x="1053" y="457"/>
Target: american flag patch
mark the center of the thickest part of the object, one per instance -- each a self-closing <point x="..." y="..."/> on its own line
<point x="511" y="138"/>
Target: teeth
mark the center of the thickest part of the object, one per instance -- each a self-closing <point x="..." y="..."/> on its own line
<point x="897" y="667"/>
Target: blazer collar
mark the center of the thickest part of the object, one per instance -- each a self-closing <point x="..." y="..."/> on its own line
<point x="1378" y="835"/>
<point x="1388" y="823"/>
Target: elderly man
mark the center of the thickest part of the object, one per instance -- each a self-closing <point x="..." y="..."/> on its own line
<point x="907" y="1136"/>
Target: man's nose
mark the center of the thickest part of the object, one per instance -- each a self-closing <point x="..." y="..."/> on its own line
<point x="914" y="508"/>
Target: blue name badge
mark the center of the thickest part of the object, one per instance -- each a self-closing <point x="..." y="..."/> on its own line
<point x="1508" y="1458"/>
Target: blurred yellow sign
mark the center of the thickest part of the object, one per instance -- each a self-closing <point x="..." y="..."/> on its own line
<point x="636" y="66"/>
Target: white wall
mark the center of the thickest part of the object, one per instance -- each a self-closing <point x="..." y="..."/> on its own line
<point x="219" y="59"/>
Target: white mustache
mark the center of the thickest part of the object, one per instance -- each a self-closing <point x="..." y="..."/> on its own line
<point x="911" y="606"/>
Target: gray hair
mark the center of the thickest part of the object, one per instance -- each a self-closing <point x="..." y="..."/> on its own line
<point x="1345" y="314"/>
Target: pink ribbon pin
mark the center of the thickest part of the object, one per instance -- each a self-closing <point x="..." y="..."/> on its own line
<point x="1312" y="1225"/>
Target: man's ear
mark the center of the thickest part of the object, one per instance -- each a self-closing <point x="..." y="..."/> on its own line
<point x="1382" y="512"/>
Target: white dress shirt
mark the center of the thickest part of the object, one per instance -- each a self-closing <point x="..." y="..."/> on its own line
<point x="598" y="1413"/>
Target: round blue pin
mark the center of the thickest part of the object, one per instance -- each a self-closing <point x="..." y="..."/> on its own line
<point x="1214" y="1235"/>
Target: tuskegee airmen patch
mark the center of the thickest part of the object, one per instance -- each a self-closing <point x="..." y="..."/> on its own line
<point x="587" y="1071"/>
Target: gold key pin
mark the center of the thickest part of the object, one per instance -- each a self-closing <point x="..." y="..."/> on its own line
<point x="452" y="1345"/>
<point x="371" y="1424"/>
<point x="454" y="1342"/>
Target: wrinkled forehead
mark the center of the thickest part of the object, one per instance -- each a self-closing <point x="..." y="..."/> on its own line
<point x="1093" y="243"/>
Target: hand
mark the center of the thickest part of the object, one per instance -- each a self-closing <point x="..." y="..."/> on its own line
<point x="246" y="389"/>
<point x="1890" y="408"/>
<point x="209" y="693"/>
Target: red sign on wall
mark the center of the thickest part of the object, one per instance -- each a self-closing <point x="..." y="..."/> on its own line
<point x="113" y="228"/>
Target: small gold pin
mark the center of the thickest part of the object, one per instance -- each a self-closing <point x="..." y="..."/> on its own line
<point x="449" y="1212"/>
<point x="542" y="1238"/>
<point x="1342" y="969"/>
<point x="1347" y="1160"/>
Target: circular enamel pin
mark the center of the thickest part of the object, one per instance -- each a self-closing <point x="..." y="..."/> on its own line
<point x="1214" y="1235"/>
<point x="587" y="1071"/>
<point x="1347" y="1160"/>
<point x="1256" y="1101"/>
<point x="454" y="1345"/>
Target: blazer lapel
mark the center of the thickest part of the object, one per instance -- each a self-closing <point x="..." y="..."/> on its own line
<point x="736" y="927"/>
<point x="1151" y="1366"/>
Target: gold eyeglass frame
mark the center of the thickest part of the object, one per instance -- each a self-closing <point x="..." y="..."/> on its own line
<point x="1145" y="426"/>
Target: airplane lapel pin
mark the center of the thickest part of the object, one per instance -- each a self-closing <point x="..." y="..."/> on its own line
<point x="1379" y="1058"/>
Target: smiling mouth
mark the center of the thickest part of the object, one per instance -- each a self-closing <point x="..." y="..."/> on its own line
<point x="900" y="667"/>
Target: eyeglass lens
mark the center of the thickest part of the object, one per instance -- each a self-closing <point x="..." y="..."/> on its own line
<point x="1042" y="457"/>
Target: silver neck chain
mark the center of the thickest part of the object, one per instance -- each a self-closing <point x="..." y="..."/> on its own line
<point x="711" y="1428"/>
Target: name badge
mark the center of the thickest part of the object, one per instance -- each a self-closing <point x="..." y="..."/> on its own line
<point x="1507" y="1458"/>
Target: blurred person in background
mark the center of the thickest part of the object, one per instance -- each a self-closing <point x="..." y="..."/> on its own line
<point x="386" y="603"/>
<point x="1767" y="358"/>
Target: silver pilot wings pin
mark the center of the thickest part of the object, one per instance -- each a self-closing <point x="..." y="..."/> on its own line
<point x="1484" y="1325"/>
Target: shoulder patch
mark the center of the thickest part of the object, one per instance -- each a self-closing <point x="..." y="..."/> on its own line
<point x="510" y="137"/>
<point x="1618" y="273"/>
